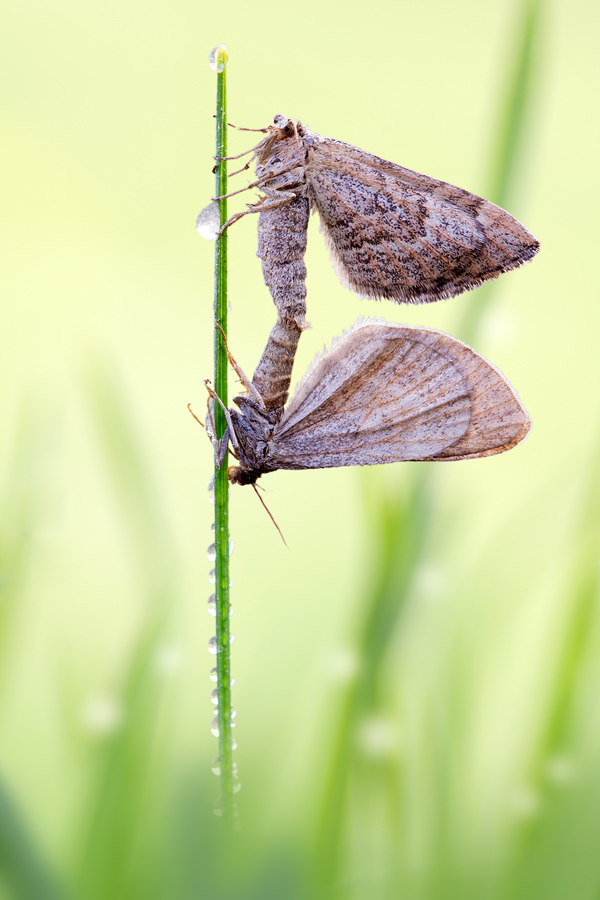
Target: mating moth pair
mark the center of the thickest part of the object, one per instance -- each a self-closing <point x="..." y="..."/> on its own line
<point x="383" y="392"/>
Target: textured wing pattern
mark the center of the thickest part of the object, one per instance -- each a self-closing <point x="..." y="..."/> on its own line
<point x="498" y="419"/>
<point x="395" y="233"/>
<point x="385" y="393"/>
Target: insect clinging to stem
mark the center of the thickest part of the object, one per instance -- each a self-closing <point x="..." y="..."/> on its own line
<point x="382" y="393"/>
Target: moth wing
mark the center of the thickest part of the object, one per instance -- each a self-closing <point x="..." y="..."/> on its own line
<point x="499" y="420"/>
<point x="395" y="233"/>
<point x="385" y="393"/>
<point x="378" y="395"/>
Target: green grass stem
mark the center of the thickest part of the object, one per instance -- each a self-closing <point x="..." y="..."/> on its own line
<point x="221" y="483"/>
<point x="510" y="142"/>
<point x="401" y="523"/>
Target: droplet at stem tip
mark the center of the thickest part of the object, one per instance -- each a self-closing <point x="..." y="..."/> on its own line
<point x="218" y="58"/>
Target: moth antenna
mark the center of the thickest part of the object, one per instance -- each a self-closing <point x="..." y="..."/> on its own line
<point x="270" y="515"/>
<point x="241" y="128"/>
<point x="189" y="406"/>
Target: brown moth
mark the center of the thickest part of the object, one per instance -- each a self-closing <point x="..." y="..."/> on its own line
<point x="382" y="393"/>
<point x="391" y="233"/>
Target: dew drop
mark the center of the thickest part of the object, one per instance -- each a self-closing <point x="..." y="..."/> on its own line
<point x="217" y="812"/>
<point x="212" y="605"/>
<point x="230" y="546"/>
<point x="211" y="490"/>
<point x="212" y="527"/>
<point x="234" y="745"/>
<point x="216" y="770"/>
<point x="212" y="576"/>
<point x="231" y="637"/>
<point x="214" y="698"/>
<point x="208" y="222"/>
<point x="232" y="682"/>
<point x="211" y="553"/>
<point x="233" y="714"/>
<point x="212" y="647"/>
<point x="214" y="727"/>
<point x="237" y="788"/>
<point x="217" y="58"/>
<point x="213" y="674"/>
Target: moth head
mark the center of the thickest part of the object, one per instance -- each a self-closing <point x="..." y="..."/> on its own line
<point x="284" y="125"/>
<point x="237" y="475"/>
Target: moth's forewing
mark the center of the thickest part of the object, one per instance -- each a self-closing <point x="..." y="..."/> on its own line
<point x="385" y="393"/>
<point x="398" y="234"/>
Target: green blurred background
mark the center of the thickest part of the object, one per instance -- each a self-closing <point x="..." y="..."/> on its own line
<point x="417" y="676"/>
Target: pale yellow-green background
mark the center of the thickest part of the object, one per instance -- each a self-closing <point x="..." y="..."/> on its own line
<point x="107" y="137"/>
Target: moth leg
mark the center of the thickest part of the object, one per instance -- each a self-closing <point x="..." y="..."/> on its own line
<point x="236" y="217"/>
<point x="209" y="426"/>
<point x="219" y="446"/>
<point x="258" y="183"/>
<point x="243" y="169"/>
<point x="237" y="156"/>
<point x="258" y="207"/>
<point x="230" y="428"/>
<point x="237" y="171"/>
<point x="253" y="393"/>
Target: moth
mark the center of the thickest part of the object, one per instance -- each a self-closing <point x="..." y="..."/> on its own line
<point x="391" y="233"/>
<point x="382" y="393"/>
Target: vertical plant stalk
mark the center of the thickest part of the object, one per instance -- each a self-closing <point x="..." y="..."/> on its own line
<point x="400" y="528"/>
<point x="508" y="159"/>
<point x="218" y="62"/>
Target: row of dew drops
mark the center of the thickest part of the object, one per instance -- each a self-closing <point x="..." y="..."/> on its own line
<point x="212" y="648"/>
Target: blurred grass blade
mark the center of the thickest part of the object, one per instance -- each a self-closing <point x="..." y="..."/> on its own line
<point x="400" y="528"/>
<point x="127" y="464"/>
<point x="20" y="506"/>
<point x="513" y="134"/>
<point x="510" y="145"/>
<point x="120" y="854"/>
<point x="573" y="812"/>
<point x="23" y="872"/>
